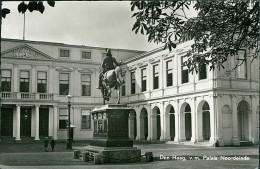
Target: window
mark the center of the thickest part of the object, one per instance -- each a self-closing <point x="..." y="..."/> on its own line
<point x="132" y="82"/>
<point x="123" y="86"/>
<point x="143" y="76"/>
<point x="6" y="80"/>
<point x="155" y="76"/>
<point x="203" y="72"/>
<point x="169" y="73"/>
<point x="64" y="53"/>
<point x="64" y="83"/>
<point x="242" y="68"/>
<point x="24" y="81"/>
<point x="63" y="118"/>
<point x="85" y="119"/>
<point x="184" y="71"/>
<point x="41" y="82"/>
<point x="85" y="85"/>
<point x="86" y="55"/>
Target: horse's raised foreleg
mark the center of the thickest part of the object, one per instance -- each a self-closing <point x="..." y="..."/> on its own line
<point x="118" y="95"/>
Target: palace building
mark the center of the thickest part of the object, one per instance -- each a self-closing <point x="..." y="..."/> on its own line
<point x="170" y="104"/>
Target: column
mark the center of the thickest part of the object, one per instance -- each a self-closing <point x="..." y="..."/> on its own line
<point x="149" y="137"/>
<point x="193" y="120"/>
<point x="162" y="121"/>
<point x="218" y="114"/>
<point x="177" y="129"/>
<point x="177" y="121"/>
<point x="36" y="122"/>
<point x="235" y="140"/>
<point x="55" y="122"/>
<point x="138" y="127"/>
<point x="199" y="129"/>
<point x="182" y="136"/>
<point x="213" y="120"/>
<point x="18" y="118"/>
<point x="153" y="126"/>
<point x="167" y="127"/>
<point x="50" y="129"/>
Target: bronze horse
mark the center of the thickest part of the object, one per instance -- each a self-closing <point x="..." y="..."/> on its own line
<point x="112" y="79"/>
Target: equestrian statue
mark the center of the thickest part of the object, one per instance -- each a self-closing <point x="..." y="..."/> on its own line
<point x="110" y="76"/>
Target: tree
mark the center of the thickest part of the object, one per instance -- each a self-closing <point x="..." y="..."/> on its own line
<point x="31" y="6"/>
<point x="220" y="30"/>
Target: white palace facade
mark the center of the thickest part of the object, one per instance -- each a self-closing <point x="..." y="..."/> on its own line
<point x="169" y="103"/>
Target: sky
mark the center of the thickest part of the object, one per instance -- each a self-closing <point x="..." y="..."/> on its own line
<point x="91" y="23"/>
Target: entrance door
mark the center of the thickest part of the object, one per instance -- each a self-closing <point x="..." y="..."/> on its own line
<point x="242" y="124"/>
<point x="7" y="121"/>
<point x="26" y="122"/>
<point x="188" y="126"/>
<point x="206" y="125"/>
<point x="44" y="121"/>
<point x="172" y="126"/>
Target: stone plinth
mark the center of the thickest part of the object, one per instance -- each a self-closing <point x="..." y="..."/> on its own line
<point x="111" y="126"/>
<point x="115" y="154"/>
<point x="110" y="138"/>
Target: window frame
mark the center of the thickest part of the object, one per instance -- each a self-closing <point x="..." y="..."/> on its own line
<point x="182" y="69"/>
<point x="83" y="58"/>
<point x="156" y="75"/>
<point x="169" y="71"/>
<point x="64" y="80"/>
<point x="6" y="79"/>
<point x="81" y="125"/>
<point x="239" y="67"/>
<point x="133" y="82"/>
<point x="143" y="80"/>
<point x="67" y="120"/>
<point x="29" y="83"/>
<point x="63" y="49"/>
<point x="85" y="81"/>
<point x="41" y="80"/>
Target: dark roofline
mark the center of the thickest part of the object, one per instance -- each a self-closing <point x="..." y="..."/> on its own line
<point x="68" y="45"/>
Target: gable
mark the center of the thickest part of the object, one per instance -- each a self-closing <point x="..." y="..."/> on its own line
<point x="25" y="52"/>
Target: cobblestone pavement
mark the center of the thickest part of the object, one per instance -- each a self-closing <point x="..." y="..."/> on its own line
<point x="172" y="156"/>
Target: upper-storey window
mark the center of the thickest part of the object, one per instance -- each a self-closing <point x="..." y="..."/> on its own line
<point x="143" y="76"/>
<point x="41" y="82"/>
<point x="64" y="84"/>
<point x="123" y="86"/>
<point x="169" y="73"/>
<point x="132" y="82"/>
<point x="184" y="71"/>
<point x="24" y="81"/>
<point x="6" y="80"/>
<point x="64" y="53"/>
<point x="203" y="72"/>
<point x="86" y="84"/>
<point x="242" y="68"/>
<point x="86" y="55"/>
<point x="155" y="76"/>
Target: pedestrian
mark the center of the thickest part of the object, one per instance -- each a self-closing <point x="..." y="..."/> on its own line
<point x="52" y="143"/>
<point x="46" y="143"/>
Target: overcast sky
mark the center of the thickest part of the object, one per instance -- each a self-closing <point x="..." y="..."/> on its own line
<point x="100" y="24"/>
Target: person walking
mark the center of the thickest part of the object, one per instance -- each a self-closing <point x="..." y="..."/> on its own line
<point x="46" y="143"/>
<point x="52" y="143"/>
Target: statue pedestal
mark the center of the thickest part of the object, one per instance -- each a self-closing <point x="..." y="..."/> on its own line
<point x="110" y="137"/>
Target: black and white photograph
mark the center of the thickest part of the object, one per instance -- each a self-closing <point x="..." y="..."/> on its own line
<point x="129" y="84"/>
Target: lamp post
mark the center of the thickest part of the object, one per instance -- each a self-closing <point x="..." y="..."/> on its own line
<point x="69" y="140"/>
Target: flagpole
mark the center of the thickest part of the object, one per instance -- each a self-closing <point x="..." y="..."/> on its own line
<point x="24" y="26"/>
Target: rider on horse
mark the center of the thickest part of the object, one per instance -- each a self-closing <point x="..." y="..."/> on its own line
<point x="108" y="63"/>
